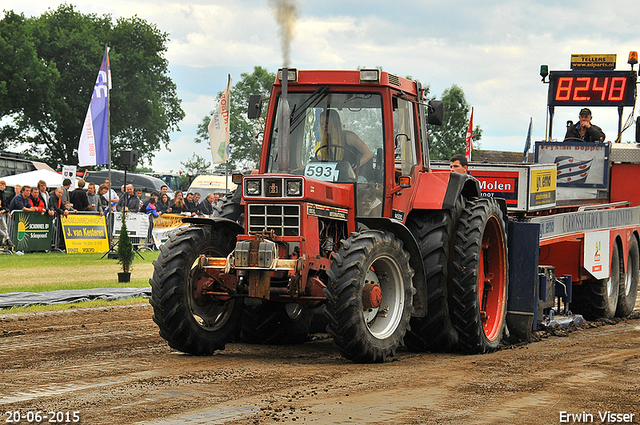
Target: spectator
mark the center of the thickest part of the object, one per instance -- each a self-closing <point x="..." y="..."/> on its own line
<point x="44" y="194"/>
<point x="56" y="204"/>
<point x="3" y="196"/>
<point x="163" y="190"/>
<point x="178" y="206"/>
<point x="93" y="198"/>
<point x="16" y="191"/>
<point x="216" y="199"/>
<point x="36" y="201"/>
<point x="66" y="184"/>
<point x="4" y="208"/>
<point x="205" y="207"/>
<point x="78" y="197"/>
<point x="129" y="202"/>
<point x="196" y="199"/>
<point x="113" y="197"/>
<point x="154" y="194"/>
<point x="103" y="202"/>
<point x="190" y="204"/>
<point x="4" y="238"/>
<point x="163" y="204"/>
<point x="21" y="200"/>
<point x="139" y="195"/>
<point x="151" y="208"/>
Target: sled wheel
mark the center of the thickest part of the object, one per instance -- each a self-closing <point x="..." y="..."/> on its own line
<point x="190" y="322"/>
<point x="369" y="296"/>
<point x="480" y="277"/>
<point x="598" y="299"/>
<point x="276" y="323"/>
<point x="629" y="282"/>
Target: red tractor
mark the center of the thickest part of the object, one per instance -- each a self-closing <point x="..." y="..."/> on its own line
<point x="344" y="212"/>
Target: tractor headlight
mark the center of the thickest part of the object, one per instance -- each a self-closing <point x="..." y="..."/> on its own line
<point x="294" y="187"/>
<point x="253" y="187"/>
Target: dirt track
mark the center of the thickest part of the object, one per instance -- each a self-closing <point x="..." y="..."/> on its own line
<point x="111" y="366"/>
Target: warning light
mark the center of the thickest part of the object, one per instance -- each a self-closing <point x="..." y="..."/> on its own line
<point x="544" y="71"/>
<point x="633" y="58"/>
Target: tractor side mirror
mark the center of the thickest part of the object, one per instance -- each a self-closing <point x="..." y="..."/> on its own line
<point x="255" y="106"/>
<point x="638" y="129"/>
<point x="436" y="112"/>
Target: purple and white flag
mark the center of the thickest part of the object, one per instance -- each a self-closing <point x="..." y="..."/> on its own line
<point x="93" y="148"/>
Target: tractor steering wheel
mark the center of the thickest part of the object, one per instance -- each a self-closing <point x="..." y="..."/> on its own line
<point x="348" y="154"/>
<point x="573" y="139"/>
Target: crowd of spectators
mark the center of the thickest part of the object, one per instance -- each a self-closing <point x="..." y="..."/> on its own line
<point x="62" y="201"/>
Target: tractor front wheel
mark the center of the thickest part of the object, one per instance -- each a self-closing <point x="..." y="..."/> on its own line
<point x="190" y="322"/>
<point x="369" y="296"/>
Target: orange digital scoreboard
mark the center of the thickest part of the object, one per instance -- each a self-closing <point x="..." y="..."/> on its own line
<point x="592" y="88"/>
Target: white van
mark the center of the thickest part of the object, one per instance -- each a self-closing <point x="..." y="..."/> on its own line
<point x="211" y="184"/>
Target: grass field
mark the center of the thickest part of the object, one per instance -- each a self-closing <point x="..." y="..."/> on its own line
<point x="40" y="272"/>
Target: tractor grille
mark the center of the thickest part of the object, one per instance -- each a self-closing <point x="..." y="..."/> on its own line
<point x="283" y="219"/>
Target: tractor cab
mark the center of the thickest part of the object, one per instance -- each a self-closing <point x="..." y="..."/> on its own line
<point x="336" y="131"/>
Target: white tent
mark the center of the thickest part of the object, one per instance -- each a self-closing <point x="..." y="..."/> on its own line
<point x="32" y="178"/>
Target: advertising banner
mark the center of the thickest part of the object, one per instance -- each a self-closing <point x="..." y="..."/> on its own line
<point x="85" y="233"/>
<point x="164" y="226"/>
<point x="32" y="231"/>
<point x="137" y="224"/>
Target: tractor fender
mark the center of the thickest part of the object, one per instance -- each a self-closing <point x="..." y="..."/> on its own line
<point x="229" y="225"/>
<point x="460" y="184"/>
<point x="415" y="261"/>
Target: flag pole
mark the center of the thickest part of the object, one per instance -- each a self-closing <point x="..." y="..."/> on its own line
<point x="106" y="53"/>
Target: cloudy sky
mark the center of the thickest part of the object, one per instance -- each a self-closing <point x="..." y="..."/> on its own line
<point x="492" y="49"/>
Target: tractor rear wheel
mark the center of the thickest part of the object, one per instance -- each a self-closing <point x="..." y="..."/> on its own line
<point x="369" y="296"/>
<point x="435" y="331"/>
<point x="276" y="323"/>
<point x="190" y="322"/>
<point x="598" y="299"/>
<point x="480" y="277"/>
<point x="629" y="282"/>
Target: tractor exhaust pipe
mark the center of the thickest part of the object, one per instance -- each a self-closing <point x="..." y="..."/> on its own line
<point x="284" y="121"/>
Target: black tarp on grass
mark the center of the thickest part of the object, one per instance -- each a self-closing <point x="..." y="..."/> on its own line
<point x="21" y="299"/>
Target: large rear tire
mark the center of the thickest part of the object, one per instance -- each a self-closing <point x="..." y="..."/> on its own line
<point x="190" y="322"/>
<point x="276" y="323"/>
<point x="598" y="299"/>
<point x="369" y="296"/>
<point x="480" y="277"/>
<point x="629" y="282"/>
<point x="435" y="331"/>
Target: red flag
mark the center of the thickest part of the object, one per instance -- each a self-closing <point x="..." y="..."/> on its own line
<point x="469" y="139"/>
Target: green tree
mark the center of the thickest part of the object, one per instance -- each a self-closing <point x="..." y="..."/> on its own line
<point x="449" y="139"/>
<point x="244" y="145"/>
<point x="48" y="71"/>
<point x="196" y="165"/>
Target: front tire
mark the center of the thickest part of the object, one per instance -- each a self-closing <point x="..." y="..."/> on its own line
<point x="369" y="296"/>
<point x="190" y="322"/>
<point x="480" y="277"/>
<point x="629" y="282"/>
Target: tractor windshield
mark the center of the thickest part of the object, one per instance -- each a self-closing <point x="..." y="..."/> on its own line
<point x="333" y="137"/>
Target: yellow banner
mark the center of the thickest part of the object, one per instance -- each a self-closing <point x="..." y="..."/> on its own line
<point x="85" y="233"/>
<point x="167" y="221"/>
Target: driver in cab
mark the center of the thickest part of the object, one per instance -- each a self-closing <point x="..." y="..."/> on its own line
<point x="335" y="142"/>
<point x="584" y="130"/>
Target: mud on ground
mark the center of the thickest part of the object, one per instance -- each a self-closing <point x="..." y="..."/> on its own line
<point x="111" y="366"/>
